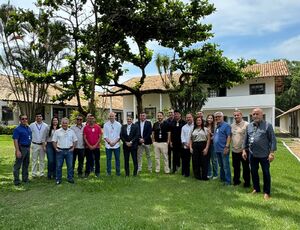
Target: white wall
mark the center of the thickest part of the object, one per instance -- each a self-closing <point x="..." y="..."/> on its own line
<point x="285" y="123"/>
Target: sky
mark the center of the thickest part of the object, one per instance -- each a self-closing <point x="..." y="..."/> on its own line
<point x="252" y="29"/>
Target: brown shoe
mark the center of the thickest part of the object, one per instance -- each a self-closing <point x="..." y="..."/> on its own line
<point x="254" y="192"/>
<point x="267" y="196"/>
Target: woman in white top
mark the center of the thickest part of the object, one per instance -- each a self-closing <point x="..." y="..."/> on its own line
<point x="51" y="153"/>
<point x="199" y="145"/>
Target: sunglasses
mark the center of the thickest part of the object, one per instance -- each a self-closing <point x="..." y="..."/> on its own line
<point x="24" y="118"/>
<point x="78" y="119"/>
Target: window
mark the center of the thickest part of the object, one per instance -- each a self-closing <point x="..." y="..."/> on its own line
<point x="151" y="113"/>
<point x="257" y="89"/>
<point x="221" y="92"/>
<point x="7" y="114"/>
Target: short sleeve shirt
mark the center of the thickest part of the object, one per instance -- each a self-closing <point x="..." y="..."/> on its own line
<point x="222" y="132"/>
<point x="23" y="134"/>
<point x="92" y="134"/>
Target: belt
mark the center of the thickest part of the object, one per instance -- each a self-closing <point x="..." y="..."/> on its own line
<point x="37" y="143"/>
<point x="64" y="148"/>
<point x="25" y="146"/>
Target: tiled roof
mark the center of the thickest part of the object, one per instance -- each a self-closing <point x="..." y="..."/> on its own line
<point x="272" y="69"/>
<point x="6" y="94"/>
<point x="290" y="110"/>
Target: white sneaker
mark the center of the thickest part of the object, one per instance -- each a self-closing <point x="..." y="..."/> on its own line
<point x="215" y="177"/>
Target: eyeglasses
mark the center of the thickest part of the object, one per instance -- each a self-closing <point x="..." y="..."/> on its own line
<point x="24" y="118"/>
<point x="78" y="119"/>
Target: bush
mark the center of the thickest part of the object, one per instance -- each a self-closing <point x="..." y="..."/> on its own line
<point x="8" y="130"/>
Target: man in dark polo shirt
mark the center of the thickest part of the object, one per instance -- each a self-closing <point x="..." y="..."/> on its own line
<point x="22" y="139"/>
<point x="161" y="139"/>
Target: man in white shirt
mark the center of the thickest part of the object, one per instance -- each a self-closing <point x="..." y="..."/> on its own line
<point x="79" y="150"/>
<point x="185" y="140"/>
<point x="39" y="133"/>
<point x="64" y="141"/>
<point x="112" y="130"/>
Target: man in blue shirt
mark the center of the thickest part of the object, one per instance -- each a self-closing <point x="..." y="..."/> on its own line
<point x="261" y="142"/>
<point x="222" y="138"/>
<point x="22" y="139"/>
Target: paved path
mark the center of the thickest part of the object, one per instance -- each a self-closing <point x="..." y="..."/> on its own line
<point x="293" y="145"/>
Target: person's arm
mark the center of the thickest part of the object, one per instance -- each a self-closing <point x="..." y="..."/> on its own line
<point x="272" y="142"/>
<point x="205" y="151"/>
<point x="17" y="152"/>
<point x="245" y="145"/>
<point x="99" y="139"/>
<point x="228" y="140"/>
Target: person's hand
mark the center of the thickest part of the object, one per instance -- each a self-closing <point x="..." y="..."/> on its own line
<point x="205" y="151"/>
<point x="244" y="155"/>
<point x="191" y="150"/>
<point x="271" y="157"/>
<point x="226" y="150"/>
<point x="18" y="154"/>
<point x="141" y="140"/>
<point x="112" y="143"/>
<point x="171" y="145"/>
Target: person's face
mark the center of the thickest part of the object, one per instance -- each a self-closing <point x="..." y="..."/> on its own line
<point x="129" y="120"/>
<point x="64" y="124"/>
<point x="171" y="114"/>
<point x="210" y="119"/>
<point x="160" y="117"/>
<point x="199" y="121"/>
<point x="91" y="119"/>
<point x="143" y="116"/>
<point x="257" y="115"/>
<point x="219" y="118"/>
<point x="112" y="117"/>
<point x="189" y="118"/>
<point x="177" y="116"/>
<point x="79" y="120"/>
<point x="24" y="120"/>
<point x="39" y="118"/>
<point x="200" y="114"/>
<point x="237" y="117"/>
<point x="55" y="121"/>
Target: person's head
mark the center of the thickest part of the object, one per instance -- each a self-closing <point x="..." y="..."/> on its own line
<point x="54" y="121"/>
<point x="143" y="116"/>
<point x="219" y="117"/>
<point x="160" y="116"/>
<point x="257" y="115"/>
<point x="112" y="116"/>
<point x="189" y="118"/>
<point x="238" y="116"/>
<point x="200" y="114"/>
<point x="199" y="123"/>
<point x="91" y="119"/>
<point x="177" y="115"/>
<point x="79" y="120"/>
<point x="171" y="114"/>
<point x="65" y="123"/>
<point x="210" y="119"/>
<point x="23" y="119"/>
<point x="129" y="120"/>
<point x="38" y="117"/>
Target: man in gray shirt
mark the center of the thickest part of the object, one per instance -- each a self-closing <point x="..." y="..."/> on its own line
<point x="261" y="142"/>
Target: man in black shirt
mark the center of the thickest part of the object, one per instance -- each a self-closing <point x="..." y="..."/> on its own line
<point x="170" y="149"/>
<point x="161" y="139"/>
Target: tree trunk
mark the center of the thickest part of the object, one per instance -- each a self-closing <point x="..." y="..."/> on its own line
<point x="139" y="101"/>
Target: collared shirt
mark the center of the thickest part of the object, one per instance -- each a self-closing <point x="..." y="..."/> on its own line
<point x="142" y="124"/>
<point x="128" y="129"/>
<point x="23" y="134"/>
<point x="238" y="132"/>
<point x="112" y="133"/>
<point x="78" y="130"/>
<point x="92" y="134"/>
<point x="186" y="133"/>
<point x="222" y="132"/>
<point x="39" y="132"/>
<point x="175" y="129"/>
<point x="65" y="138"/>
<point x="260" y="139"/>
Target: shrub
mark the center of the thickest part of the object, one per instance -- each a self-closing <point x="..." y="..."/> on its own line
<point x="8" y="130"/>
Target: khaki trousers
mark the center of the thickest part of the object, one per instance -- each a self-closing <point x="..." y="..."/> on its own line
<point x="141" y="149"/>
<point x="38" y="157"/>
<point x="161" y="148"/>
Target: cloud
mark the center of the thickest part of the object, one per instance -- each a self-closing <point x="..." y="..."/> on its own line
<point x="253" y="17"/>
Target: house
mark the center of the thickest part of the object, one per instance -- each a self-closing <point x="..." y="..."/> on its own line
<point x="9" y="111"/>
<point x="256" y="92"/>
<point x="290" y="121"/>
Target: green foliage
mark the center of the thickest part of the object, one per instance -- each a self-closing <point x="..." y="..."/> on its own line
<point x="7" y="129"/>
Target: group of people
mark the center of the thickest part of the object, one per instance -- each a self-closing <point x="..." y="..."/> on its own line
<point x="204" y="142"/>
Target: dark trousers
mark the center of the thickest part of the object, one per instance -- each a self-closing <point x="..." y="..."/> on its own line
<point x="127" y="151"/>
<point x="186" y="159"/>
<point x="176" y="156"/>
<point x="200" y="161"/>
<point x="80" y="154"/>
<point x="24" y="162"/>
<point x="265" y="166"/>
<point x="170" y="149"/>
<point x="237" y="160"/>
<point x="51" y="156"/>
<point x="62" y="155"/>
<point x="91" y="157"/>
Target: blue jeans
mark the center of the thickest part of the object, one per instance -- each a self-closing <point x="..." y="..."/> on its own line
<point x="108" y="160"/>
<point x="213" y="162"/>
<point x="225" y="174"/>
<point x="60" y="156"/>
<point x="51" y="156"/>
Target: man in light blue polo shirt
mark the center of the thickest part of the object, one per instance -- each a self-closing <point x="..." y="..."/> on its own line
<point x="222" y="138"/>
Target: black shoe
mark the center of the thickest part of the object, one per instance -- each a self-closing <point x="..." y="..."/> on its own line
<point x="26" y="181"/>
<point x="71" y="181"/>
<point x="246" y="185"/>
<point x="97" y="175"/>
<point x="17" y="183"/>
<point x="58" y="182"/>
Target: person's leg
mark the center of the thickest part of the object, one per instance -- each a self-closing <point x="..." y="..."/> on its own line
<point x="49" y="159"/>
<point x="170" y="150"/>
<point x="157" y="156"/>
<point x="164" y="150"/>
<point x="227" y="170"/>
<point x="184" y="162"/>
<point x="196" y="160"/>
<point x="59" y="164"/>
<point x="148" y="155"/>
<point x="126" y="160"/>
<point x="97" y="161"/>
<point x="265" y="166"/>
<point x="246" y="171"/>
<point x="254" y="163"/>
<point x="140" y="157"/>
<point x="75" y="153"/>
<point x="174" y="160"/>
<point x="134" y="159"/>
<point x="209" y="166"/>
<point x="214" y="162"/>
<point x="25" y="164"/>
<point x="35" y="152"/>
<point x="236" y="164"/>
<point x="205" y="166"/>
<point x="69" y="161"/>
<point x="220" y="161"/>
<point x="41" y="160"/>
<point x="117" y="159"/>
<point x="108" y="160"/>
<point x="89" y="160"/>
<point x="80" y="161"/>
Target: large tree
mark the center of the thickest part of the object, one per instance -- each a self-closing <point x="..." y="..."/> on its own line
<point x="32" y="51"/>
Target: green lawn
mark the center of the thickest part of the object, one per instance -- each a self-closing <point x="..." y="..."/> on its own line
<point x="149" y="201"/>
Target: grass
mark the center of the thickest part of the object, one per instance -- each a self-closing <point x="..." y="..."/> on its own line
<point x="149" y="201"/>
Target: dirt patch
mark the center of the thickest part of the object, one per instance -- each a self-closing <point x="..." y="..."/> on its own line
<point x="294" y="144"/>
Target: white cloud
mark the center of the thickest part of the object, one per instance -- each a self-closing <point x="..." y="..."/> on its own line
<point x="253" y="17"/>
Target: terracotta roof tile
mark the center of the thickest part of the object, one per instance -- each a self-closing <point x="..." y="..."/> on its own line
<point x="271" y="69"/>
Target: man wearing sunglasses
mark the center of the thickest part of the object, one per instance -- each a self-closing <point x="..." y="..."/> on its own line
<point x="22" y="136"/>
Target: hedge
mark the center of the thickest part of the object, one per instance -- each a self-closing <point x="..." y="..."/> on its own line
<point x="8" y="130"/>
